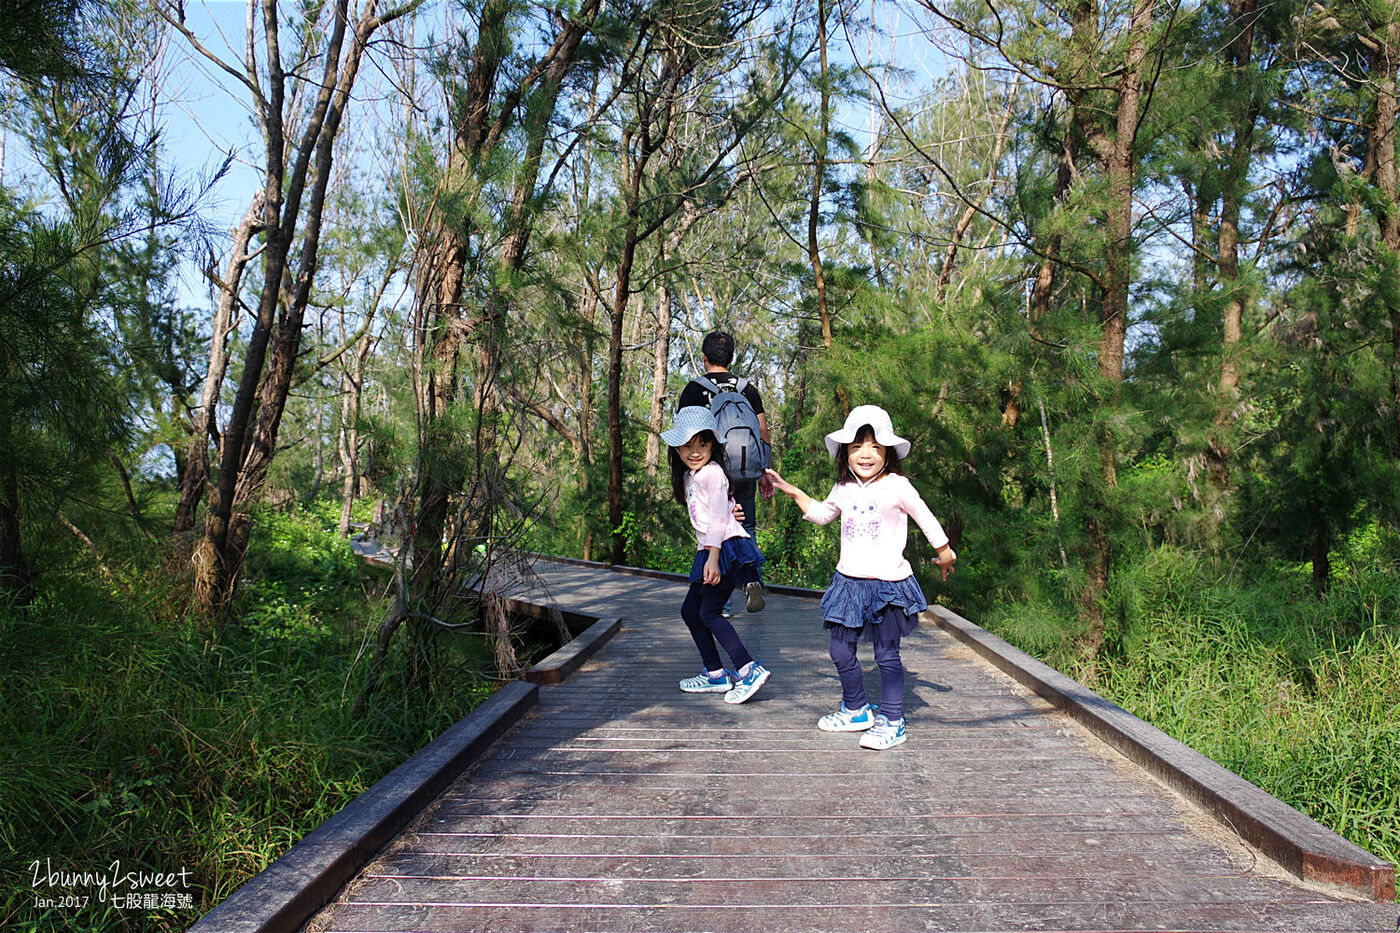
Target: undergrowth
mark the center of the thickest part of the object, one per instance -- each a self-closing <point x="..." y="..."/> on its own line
<point x="150" y="746"/>
<point x="1295" y="693"/>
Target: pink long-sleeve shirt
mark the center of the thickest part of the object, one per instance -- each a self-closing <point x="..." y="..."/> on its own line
<point x="875" y="525"/>
<point x="711" y="509"/>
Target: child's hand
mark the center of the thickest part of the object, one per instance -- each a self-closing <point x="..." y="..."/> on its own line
<point x="804" y="501"/>
<point x="738" y="511"/>
<point x="778" y="482"/>
<point x="945" y="560"/>
<point x="765" y="485"/>
<point x="710" y="575"/>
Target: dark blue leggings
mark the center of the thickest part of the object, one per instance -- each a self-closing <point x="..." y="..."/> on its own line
<point x="703" y="616"/>
<point x="843" y="653"/>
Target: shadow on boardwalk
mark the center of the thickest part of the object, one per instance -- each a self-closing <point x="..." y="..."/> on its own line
<point x="620" y="803"/>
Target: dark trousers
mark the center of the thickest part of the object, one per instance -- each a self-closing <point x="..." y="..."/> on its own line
<point x="744" y="494"/>
<point x="843" y="654"/>
<point x="702" y="612"/>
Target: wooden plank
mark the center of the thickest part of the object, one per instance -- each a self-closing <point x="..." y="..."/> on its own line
<point x="1082" y="917"/>
<point x="621" y="804"/>
<point x="794" y="858"/>
<point x="1032" y="834"/>
<point x="893" y="883"/>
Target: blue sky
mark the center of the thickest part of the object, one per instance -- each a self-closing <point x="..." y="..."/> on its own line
<point x="208" y="114"/>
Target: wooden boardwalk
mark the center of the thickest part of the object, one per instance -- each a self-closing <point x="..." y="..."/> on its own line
<point x="620" y="803"/>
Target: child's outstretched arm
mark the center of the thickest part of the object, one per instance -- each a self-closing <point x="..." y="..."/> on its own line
<point x="914" y="505"/>
<point x="804" y="501"/>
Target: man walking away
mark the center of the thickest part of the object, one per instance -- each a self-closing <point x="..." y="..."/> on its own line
<point x="717" y="354"/>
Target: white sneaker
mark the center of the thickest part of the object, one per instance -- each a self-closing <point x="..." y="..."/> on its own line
<point x="846" y="720"/>
<point x="704" y="683"/>
<point x="748" y="685"/>
<point x="884" y="734"/>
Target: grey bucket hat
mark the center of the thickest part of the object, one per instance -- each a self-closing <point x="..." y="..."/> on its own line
<point x="879" y="420"/>
<point x="690" y="421"/>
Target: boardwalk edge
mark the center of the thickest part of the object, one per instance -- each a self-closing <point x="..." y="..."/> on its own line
<point x="1294" y="840"/>
<point x="571" y="656"/>
<point x="287" y="893"/>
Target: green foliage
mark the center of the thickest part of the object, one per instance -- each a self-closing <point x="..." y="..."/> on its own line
<point x="146" y="742"/>
<point x="1294" y="694"/>
<point x="42" y="39"/>
<point x="300" y="573"/>
<point x="665" y="548"/>
<point x="60" y="410"/>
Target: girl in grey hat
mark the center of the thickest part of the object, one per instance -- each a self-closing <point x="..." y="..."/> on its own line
<point x="725" y="557"/>
<point x="873" y="595"/>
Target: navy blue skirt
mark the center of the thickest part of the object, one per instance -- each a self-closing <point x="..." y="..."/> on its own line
<point x="864" y="609"/>
<point x="739" y="562"/>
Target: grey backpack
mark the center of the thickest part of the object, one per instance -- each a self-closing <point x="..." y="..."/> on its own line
<point x="745" y="454"/>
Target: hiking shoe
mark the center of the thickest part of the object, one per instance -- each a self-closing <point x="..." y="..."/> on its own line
<point x="847" y="720"/>
<point x="884" y="734"/>
<point x="748" y="686"/>
<point x="704" y="683"/>
<point x="754" y="591"/>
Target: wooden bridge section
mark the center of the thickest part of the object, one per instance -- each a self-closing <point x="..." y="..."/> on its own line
<point x="619" y="803"/>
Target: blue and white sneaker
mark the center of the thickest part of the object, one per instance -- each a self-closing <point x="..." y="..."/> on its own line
<point x="704" y="683"/>
<point x="748" y="685"/>
<point x="847" y="720"/>
<point x="884" y="734"/>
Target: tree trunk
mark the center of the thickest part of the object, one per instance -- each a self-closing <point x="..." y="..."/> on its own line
<point x="587" y="440"/>
<point x="196" y="473"/>
<point x="486" y="113"/>
<point x="286" y="348"/>
<point x="1233" y="191"/>
<point x="814" y="255"/>
<point x="615" y="320"/>
<point x="1320" y="546"/>
<point x="1114" y="145"/>
<point x="348" y="437"/>
<point x="660" y="368"/>
<point x="248" y="447"/>
<point x="441" y="472"/>
<point x="1381" y="146"/>
<point x="16" y="582"/>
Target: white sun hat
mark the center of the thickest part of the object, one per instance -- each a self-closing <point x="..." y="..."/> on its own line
<point x="879" y="420"/>
<point x="690" y="421"/>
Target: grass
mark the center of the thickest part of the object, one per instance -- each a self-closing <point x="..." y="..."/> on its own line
<point x="1297" y="695"/>
<point x="148" y="746"/>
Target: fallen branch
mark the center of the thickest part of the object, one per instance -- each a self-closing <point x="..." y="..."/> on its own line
<point x="96" y="554"/>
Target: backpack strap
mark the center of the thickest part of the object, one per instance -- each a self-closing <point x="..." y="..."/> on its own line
<point x="708" y="384"/>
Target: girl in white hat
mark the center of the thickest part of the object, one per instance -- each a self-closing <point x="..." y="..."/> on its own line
<point x="873" y="595"/>
<point x="726" y="556"/>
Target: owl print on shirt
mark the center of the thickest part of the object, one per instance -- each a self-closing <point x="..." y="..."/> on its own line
<point x="861" y="521"/>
